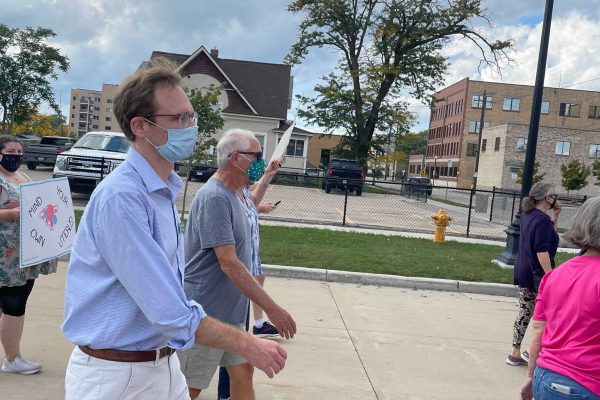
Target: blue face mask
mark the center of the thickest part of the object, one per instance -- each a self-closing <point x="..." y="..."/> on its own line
<point x="180" y="143"/>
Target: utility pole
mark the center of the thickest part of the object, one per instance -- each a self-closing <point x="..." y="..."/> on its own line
<point x="479" y="140"/>
<point x="514" y="230"/>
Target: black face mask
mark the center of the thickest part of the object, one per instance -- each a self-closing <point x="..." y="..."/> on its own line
<point x="11" y="162"/>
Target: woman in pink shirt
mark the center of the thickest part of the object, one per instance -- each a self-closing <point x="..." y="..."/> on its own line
<point x="566" y="321"/>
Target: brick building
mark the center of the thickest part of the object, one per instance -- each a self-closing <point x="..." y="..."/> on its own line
<point x="503" y="154"/>
<point x="91" y="110"/>
<point x="455" y="118"/>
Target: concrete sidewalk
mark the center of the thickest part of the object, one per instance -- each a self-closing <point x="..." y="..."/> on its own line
<point x="353" y="342"/>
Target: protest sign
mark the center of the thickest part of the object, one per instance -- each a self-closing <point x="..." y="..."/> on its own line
<point x="47" y="221"/>
<point x="283" y="144"/>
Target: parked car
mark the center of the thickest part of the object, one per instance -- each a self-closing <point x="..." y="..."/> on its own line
<point x="314" y="172"/>
<point x="45" y="152"/>
<point x="93" y="157"/>
<point x="342" y="174"/>
<point x="417" y="186"/>
<point x="28" y="139"/>
<point x="201" y="172"/>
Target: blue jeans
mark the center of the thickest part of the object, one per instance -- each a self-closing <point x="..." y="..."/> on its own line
<point x="548" y="385"/>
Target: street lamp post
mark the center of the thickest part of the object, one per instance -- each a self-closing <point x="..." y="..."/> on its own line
<point x="434" y="169"/>
<point x="513" y="231"/>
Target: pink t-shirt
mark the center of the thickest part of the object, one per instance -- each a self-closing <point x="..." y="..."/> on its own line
<point x="569" y="302"/>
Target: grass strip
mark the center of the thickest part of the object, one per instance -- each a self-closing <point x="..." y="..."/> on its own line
<point x="379" y="254"/>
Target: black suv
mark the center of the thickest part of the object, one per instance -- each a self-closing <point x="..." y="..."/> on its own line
<point x="342" y="174"/>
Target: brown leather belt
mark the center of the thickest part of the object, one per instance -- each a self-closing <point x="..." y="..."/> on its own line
<point x="127" y="356"/>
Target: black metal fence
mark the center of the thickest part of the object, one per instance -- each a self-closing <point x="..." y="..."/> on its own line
<point x="383" y="204"/>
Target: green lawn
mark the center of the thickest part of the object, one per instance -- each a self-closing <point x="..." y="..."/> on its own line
<point x="379" y="254"/>
<point x="361" y="252"/>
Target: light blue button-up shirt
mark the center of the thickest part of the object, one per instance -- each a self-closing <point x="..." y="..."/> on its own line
<point x="125" y="280"/>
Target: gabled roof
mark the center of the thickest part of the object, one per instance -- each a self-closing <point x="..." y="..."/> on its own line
<point x="283" y="126"/>
<point x="263" y="87"/>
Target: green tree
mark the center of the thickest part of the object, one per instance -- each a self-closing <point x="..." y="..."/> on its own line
<point x="27" y="65"/>
<point x="537" y="176"/>
<point x="36" y="124"/>
<point x="412" y="143"/>
<point x="385" y="47"/>
<point x="574" y="175"/>
<point x="596" y="171"/>
<point x="210" y="120"/>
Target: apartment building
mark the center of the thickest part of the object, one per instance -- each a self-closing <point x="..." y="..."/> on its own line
<point x="455" y="118"/>
<point x="503" y="155"/>
<point x="92" y="110"/>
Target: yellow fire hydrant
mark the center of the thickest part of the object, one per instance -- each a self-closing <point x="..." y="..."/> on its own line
<point x="441" y="222"/>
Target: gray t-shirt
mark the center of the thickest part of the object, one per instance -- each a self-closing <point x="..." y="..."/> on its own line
<point x="217" y="218"/>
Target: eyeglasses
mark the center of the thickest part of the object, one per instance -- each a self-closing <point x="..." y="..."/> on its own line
<point x="185" y="119"/>
<point x="257" y="154"/>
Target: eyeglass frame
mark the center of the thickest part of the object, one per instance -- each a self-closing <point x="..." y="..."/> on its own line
<point x="257" y="154"/>
<point x="193" y="117"/>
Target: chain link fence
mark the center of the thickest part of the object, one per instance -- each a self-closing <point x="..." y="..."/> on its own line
<point x="383" y="204"/>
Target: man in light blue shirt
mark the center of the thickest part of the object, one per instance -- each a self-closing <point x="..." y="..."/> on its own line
<point x="125" y="308"/>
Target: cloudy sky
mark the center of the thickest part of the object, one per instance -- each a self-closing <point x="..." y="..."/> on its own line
<point x="107" y="39"/>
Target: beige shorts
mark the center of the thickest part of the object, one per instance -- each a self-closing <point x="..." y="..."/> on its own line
<point x="200" y="363"/>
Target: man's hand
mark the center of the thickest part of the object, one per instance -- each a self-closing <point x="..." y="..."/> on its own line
<point x="266" y="355"/>
<point x="283" y="321"/>
<point x="527" y="389"/>
<point x="272" y="168"/>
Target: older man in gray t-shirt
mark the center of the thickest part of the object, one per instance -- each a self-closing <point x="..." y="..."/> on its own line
<point x="218" y="253"/>
<point x="219" y="219"/>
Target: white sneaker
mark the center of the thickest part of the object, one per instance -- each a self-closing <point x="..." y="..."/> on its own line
<point x="21" y="366"/>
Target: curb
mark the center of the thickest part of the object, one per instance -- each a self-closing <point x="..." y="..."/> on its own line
<point x="363" y="278"/>
<point x="445" y="285"/>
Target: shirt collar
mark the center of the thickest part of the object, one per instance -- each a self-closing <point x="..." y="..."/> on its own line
<point x="151" y="180"/>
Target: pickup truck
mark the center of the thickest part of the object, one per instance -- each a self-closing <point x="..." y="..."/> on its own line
<point x="93" y="157"/>
<point x="342" y="174"/>
<point x="45" y="152"/>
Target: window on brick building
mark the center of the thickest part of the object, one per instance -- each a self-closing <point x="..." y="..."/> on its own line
<point x="521" y="145"/>
<point x="511" y="104"/>
<point x="569" y="109"/>
<point x="474" y="126"/>
<point x="477" y="102"/>
<point x="594" y="150"/>
<point x="594" y="112"/>
<point x="562" y="148"/>
<point x="497" y="144"/>
<point x="483" y="144"/>
<point x="471" y="149"/>
<point x="545" y="109"/>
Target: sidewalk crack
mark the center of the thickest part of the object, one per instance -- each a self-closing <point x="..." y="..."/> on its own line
<point x="353" y="342"/>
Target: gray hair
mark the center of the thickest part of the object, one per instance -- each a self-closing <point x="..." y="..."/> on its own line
<point x="538" y="192"/>
<point x="584" y="231"/>
<point x="233" y="140"/>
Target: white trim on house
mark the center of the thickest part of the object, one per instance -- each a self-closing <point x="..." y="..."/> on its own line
<point x="265" y="143"/>
<point x="202" y="49"/>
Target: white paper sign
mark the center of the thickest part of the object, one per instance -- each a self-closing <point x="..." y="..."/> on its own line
<point x="283" y="144"/>
<point x="47" y="221"/>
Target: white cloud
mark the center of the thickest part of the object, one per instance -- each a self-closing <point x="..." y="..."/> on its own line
<point x="107" y="39"/>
